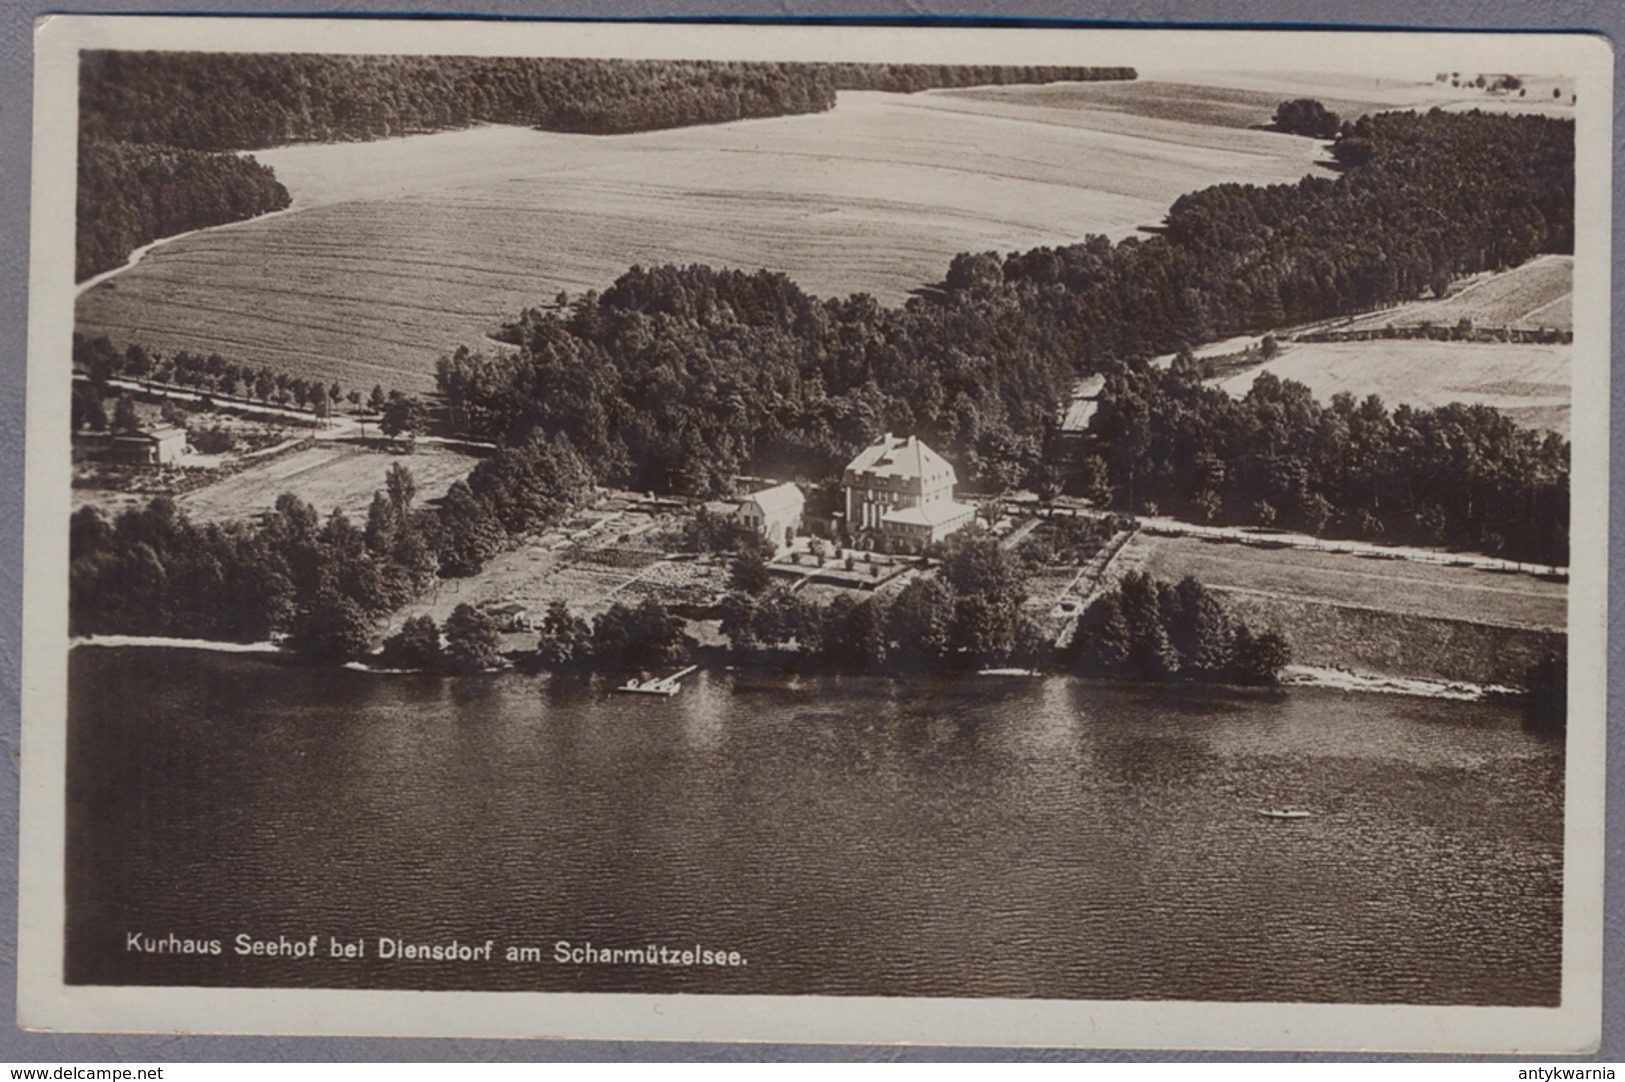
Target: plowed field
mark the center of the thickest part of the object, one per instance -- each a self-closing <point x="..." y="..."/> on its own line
<point x="399" y="251"/>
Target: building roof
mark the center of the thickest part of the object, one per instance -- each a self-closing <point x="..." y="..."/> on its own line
<point x="778" y="500"/>
<point x="932" y="514"/>
<point x="155" y="435"/>
<point x="905" y="458"/>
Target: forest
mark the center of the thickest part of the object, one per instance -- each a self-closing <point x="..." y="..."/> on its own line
<point x="676" y="379"/>
<point x="132" y="193"/>
<point x="1457" y="476"/>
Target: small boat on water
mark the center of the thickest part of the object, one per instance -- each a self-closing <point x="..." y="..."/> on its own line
<point x="659" y="685"/>
<point x="1279" y="813"/>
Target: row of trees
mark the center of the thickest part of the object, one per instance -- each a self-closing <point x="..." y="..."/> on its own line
<point x="967" y="615"/>
<point x="213" y="374"/>
<point x="130" y="194"/>
<point x="1460" y="476"/>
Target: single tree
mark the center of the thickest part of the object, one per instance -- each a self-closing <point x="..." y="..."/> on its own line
<point x="415" y="646"/>
<point x="472" y="640"/>
<point x="125" y="417"/>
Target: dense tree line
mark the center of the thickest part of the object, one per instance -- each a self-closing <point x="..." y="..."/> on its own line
<point x="1152" y="630"/>
<point x="911" y="78"/>
<point x="1422" y="200"/>
<point x="677" y="378"/>
<point x="223" y="101"/>
<point x="1461" y="476"/>
<point x="130" y="194"/>
<point x="320" y="584"/>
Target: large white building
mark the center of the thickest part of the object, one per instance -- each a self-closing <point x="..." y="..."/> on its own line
<point x="901" y="493"/>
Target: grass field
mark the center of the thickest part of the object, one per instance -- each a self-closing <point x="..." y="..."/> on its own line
<point x="328" y="476"/>
<point x="399" y="251"/>
<point x="1395" y="618"/>
<point x="1530" y="383"/>
<point x="1537" y="294"/>
<point x="1408" y="587"/>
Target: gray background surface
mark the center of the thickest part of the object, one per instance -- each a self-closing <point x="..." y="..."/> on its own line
<point x="1605" y="17"/>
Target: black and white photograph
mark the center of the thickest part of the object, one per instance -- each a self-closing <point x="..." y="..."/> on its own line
<point x="809" y="533"/>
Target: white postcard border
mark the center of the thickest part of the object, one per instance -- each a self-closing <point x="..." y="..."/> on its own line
<point x="45" y="1002"/>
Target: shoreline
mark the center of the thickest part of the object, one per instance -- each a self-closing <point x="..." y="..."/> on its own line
<point x="217" y="646"/>
<point x="1305" y="676"/>
<point x="1338" y="679"/>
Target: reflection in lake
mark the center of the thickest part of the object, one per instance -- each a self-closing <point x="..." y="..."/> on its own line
<point x="849" y="836"/>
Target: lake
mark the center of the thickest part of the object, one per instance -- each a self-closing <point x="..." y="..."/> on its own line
<point x="1053" y="838"/>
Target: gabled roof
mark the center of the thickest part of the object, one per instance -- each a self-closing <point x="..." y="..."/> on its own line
<point x="780" y="499"/>
<point x="905" y="458"/>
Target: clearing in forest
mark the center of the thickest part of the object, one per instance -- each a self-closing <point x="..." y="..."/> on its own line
<point x="1538" y="294"/>
<point x="1529" y="383"/>
<point x="329" y="476"/>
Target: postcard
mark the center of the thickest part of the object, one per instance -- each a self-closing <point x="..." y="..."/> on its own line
<point x="801" y="533"/>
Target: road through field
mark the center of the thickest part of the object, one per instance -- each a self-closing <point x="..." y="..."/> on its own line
<point x="398" y="251"/>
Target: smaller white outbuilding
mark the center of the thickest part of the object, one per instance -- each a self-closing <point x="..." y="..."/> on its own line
<point x="773" y="513"/>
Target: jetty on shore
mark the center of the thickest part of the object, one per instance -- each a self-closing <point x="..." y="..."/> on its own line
<point x="659" y="685"/>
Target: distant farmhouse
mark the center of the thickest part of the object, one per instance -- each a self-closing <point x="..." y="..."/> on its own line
<point x="900" y="495"/>
<point x="773" y="514"/>
<point x="150" y="447"/>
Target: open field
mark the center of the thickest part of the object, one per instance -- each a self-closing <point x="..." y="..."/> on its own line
<point x="1399" y="586"/>
<point x="328" y="476"/>
<point x="396" y="252"/>
<point x="1351" y="95"/>
<point x="1391" y="617"/>
<point x="1539" y="293"/>
<point x="1530" y="383"/>
<point x="1243" y="100"/>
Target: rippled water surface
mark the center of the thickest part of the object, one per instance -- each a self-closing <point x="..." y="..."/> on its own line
<point x="984" y="837"/>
